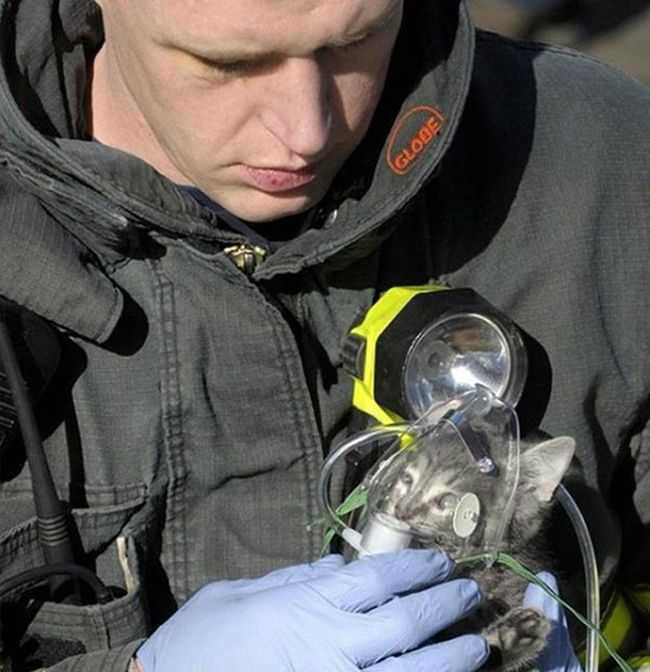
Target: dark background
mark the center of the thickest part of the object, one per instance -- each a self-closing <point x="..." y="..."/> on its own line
<point x="615" y="31"/>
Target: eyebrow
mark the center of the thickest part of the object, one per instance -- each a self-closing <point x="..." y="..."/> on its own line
<point x="375" y="27"/>
<point x="253" y="55"/>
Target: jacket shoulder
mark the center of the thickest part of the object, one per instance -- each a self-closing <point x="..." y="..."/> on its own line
<point x="563" y="79"/>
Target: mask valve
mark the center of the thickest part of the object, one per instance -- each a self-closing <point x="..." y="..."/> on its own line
<point x="466" y="515"/>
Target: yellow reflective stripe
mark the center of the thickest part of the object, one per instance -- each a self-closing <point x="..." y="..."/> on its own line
<point x="376" y="321"/>
<point x="615" y="625"/>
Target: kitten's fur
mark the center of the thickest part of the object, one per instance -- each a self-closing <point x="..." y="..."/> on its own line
<point x="516" y="634"/>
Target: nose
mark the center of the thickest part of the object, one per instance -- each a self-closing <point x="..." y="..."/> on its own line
<point x="297" y="108"/>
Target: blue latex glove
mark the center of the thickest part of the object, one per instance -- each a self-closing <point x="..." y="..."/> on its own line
<point x="325" y="617"/>
<point x="558" y="656"/>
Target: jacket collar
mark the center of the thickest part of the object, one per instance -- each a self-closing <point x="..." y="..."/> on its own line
<point x="102" y="195"/>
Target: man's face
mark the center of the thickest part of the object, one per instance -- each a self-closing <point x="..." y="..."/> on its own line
<point x="256" y="102"/>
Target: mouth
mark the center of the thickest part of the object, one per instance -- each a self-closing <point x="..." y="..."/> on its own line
<point x="277" y="180"/>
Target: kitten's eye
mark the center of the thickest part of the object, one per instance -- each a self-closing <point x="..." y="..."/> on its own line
<point x="406" y="479"/>
<point x="447" y="502"/>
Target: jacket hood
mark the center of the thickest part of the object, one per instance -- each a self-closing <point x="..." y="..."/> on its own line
<point x="102" y="196"/>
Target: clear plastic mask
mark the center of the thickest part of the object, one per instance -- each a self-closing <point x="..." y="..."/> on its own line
<point x="452" y="484"/>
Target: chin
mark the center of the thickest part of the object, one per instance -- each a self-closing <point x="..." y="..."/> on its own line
<point x="261" y="215"/>
<point x="260" y="207"/>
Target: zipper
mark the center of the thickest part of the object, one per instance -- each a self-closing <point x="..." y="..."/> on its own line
<point x="246" y="257"/>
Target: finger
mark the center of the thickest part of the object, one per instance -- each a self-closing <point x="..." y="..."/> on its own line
<point x="405" y="622"/>
<point x="367" y="583"/>
<point x="279" y="577"/>
<point x="463" y="654"/>
<point x="305" y="572"/>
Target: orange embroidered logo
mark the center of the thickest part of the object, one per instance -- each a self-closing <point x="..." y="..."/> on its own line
<point x="412" y="134"/>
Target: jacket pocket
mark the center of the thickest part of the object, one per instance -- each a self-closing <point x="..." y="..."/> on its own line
<point x="48" y="631"/>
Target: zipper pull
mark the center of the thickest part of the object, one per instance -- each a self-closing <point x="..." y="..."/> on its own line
<point x="246" y="257"/>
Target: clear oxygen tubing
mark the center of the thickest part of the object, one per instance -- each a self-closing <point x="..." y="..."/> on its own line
<point x="379" y="432"/>
<point x="592" y="584"/>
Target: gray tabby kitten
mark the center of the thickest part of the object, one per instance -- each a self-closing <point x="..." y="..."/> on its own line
<point x="516" y="634"/>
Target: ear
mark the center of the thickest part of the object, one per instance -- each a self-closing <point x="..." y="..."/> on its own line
<point x="544" y="465"/>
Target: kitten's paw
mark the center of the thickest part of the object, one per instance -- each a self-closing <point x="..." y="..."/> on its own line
<point x="516" y="639"/>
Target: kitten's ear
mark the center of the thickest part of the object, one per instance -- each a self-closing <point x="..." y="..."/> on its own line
<point x="544" y="465"/>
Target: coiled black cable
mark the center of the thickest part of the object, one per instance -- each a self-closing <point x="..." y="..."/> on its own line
<point x="32" y="577"/>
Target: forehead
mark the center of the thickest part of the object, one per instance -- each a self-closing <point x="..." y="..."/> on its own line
<point x="283" y="26"/>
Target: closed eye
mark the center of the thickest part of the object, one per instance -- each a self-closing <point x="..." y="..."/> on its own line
<point x="233" y="67"/>
<point x="354" y="44"/>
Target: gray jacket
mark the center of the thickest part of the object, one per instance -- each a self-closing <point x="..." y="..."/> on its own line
<point x="198" y="400"/>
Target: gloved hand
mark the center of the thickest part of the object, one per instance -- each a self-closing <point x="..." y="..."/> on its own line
<point x="558" y="656"/>
<point x="326" y="617"/>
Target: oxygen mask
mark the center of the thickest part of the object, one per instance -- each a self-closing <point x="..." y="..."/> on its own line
<point x="447" y="479"/>
<point x="450" y="483"/>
